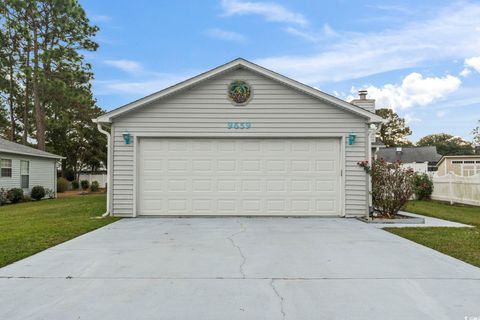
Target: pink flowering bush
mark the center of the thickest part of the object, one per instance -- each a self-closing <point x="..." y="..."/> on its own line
<point x="392" y="186"/>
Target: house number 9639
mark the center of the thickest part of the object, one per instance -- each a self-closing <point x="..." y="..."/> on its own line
<point x="239" y="125"/>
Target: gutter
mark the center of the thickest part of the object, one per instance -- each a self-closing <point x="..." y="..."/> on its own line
<point x="109" y="186"/>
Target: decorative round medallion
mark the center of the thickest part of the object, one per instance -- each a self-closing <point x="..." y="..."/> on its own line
<point x="239" y="92"/>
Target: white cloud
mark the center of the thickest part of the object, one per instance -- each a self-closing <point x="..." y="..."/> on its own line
<point x="129" y="66"/>
<point x="327" y="32"/>
<point x="465" y="72"/>
<point x="395" y="8"/>
<point x="96" y="18"/>
<point x="441" y="113"/>
<point x="452" y="33"/>
<point x="415" y="90"/>
<point x="156" y="82"/>
<point x="410" y="118"/>
<point x="472" y="63"/>
<point x="226" y="35"/>
<point x="269" y="10"/>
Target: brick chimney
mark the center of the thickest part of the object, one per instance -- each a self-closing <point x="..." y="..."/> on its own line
<point x="363" y="102"/>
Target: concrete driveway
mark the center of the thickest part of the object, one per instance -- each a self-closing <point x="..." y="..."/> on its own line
<point x="227" y="268"/>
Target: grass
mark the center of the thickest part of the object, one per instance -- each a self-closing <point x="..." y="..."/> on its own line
<point x="461" y="243"/>
<point x="30" y="227"/>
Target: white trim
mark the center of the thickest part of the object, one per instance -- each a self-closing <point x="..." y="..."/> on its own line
<point x="136" y="148"/>
<point x="32" y="155"/>
<point x="341" y="137"/>
<point x="343" y="142"/>
<point x="240" y="63"/>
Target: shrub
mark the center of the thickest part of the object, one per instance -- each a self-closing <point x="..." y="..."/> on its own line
<point x="3" y="196"/>
<point x="27" y="198"/>
<point x="423" y="186"/>
<point x="75" y="185"/>
<point x="94" y="186"/>
<point x="392" y="186"/>
<point x="84" y="184"/>
<point x="62" y="185"/>
<point x="49" y="193"/>
<point x="15" y="195"/>
<point x="37" y="193"/>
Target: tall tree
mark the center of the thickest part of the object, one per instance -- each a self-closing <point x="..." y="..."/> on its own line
<point x="394" y="132"/>
<point x="447" y="144"/>
<point x="45" y="84"/>
<point x="43" y="34"/>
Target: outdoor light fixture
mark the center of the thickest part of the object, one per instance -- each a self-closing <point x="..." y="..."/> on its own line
<point x="351" y="138"/>
<point x="126" y="136"/>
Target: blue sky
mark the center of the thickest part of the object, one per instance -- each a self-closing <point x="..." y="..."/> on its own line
<point x="421" y="58"/>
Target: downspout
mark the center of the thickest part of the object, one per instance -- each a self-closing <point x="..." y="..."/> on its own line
<point x="99" y="127"/>
<point x="373" y="129"/>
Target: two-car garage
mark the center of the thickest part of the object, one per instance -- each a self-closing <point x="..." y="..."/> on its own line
<point x="239" y="140"/>
<point x="181" y="176"/>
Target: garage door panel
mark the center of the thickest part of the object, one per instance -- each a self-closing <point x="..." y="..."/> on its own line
<point x="239" y="177"/>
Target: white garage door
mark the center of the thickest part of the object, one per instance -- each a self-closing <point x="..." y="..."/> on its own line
<point x="239" y="177"/>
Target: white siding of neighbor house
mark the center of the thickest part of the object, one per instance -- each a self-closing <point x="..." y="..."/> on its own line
<point x="275" y="111"/>
<point x="42" y="172"/>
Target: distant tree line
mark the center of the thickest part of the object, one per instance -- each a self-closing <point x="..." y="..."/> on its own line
<point x="45" y="84"/>
<point x="395" y="132"/>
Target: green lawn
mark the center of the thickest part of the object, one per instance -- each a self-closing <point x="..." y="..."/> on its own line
<point x="461" y="243"/>
<point x="30" y="227"/>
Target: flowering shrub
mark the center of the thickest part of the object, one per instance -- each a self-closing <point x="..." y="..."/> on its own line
<point x="392" y="186"/>
<point x="423" y="186"/>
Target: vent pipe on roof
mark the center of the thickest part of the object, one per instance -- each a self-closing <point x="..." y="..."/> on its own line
<point x="362" y="94"/>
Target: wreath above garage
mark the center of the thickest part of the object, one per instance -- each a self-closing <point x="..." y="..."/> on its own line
<point x="239" y="92"/>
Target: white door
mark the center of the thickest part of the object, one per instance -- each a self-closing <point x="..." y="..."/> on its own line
<point x="239" y="177"/>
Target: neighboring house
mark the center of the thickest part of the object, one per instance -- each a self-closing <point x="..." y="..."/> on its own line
<point x="459" y="165"/>
<point x="420" y="159"/>
<point x="239" y="140"/>
<point x="24" y="167"/>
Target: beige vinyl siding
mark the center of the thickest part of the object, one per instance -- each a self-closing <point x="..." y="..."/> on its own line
<point x="274" y="111"/>
<point x="42" y="172"/>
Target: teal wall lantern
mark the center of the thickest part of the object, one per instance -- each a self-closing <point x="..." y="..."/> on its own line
<point x="126" y="136"/>
<point x="351" y="138"/>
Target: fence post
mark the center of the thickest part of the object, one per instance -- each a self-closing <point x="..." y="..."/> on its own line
<point x="450" y="188"/>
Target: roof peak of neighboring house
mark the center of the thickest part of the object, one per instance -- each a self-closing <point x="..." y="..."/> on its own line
<point x="7" y="146"/>
<point x="234" y="64"/>
<point x="458" y="156"/>
<point x="409" y="154"/>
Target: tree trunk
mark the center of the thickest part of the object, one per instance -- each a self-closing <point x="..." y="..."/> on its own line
<point x="27" y="96"/>
<point x="11" y="106"/>
<point x="39" y="114"/>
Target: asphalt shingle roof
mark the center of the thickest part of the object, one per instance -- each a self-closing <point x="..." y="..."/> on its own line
<point x="16" y="148"/>
<point x="410" y="154"/>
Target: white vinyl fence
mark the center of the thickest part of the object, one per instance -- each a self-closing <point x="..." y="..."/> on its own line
<point x="459" y="189"/>
<point x="100" y="178"/>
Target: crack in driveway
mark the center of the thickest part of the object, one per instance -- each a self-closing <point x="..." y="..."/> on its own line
<point x="279" y="296"/>
<point x="244" y="259"/>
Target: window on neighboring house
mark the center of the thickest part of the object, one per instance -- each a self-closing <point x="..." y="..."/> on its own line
<point x="24" y="174"/>
<point x="6" y="168"/>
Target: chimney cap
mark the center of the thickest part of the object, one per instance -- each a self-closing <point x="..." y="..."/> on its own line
<point x="362" y="94"/>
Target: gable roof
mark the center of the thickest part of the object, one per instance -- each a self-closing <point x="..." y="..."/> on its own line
<point x="16" y="148"/>
<point x="240" y="63"/>
<point x="469" y="156"/>
<point x="410" y="154"/>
